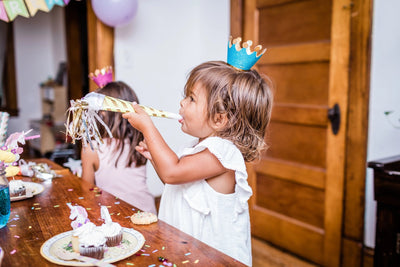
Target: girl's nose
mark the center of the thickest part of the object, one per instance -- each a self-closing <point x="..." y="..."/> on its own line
<point x="182" y="101"/>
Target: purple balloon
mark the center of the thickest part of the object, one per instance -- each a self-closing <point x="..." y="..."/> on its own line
<point x="115" y="12"/>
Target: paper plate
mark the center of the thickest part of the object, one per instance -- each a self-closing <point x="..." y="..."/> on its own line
<point x="35" y="188"/>
<point x="132" y="242"/>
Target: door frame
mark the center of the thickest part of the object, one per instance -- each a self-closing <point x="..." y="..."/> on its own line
<point x="100" y="43"/>
<point x="353" y="252"/>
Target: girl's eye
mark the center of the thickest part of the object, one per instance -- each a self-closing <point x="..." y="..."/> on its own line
<point x="191" y="98"/>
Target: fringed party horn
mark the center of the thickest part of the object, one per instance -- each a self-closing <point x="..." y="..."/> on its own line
<point x="103" y="102"/>
<point x="82" y="115"/>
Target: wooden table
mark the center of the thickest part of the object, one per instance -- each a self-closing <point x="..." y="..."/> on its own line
<point x="35" y="220"/>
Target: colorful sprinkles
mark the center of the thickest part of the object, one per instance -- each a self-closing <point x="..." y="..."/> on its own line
<point x="153" y="252"/>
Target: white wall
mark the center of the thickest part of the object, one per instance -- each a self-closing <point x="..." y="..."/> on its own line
<point x="383" y="138"/>
<point x="157" y="49"/>
<point x="39" y="47"/>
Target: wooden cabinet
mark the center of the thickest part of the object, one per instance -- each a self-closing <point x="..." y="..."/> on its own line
<point x="47" y="142"/>
<point x="54" y="102"/>
<point x="387" y="195"/>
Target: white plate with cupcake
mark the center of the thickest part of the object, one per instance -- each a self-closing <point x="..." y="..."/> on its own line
<point x="132" y="241"/>
<point x="21" y="190"/>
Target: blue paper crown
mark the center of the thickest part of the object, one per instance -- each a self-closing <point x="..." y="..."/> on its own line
<point x="243" y="58"/>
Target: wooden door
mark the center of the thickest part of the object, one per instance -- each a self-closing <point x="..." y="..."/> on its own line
<point x="100" y="44"/>
<point x="77" y="46"/>
<point x="299" y="183"/>
<point x="90" y="45"/>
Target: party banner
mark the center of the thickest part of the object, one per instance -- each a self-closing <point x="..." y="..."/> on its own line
<point x="35" y="5"/>
<point x="10" y="9"/>
<point x="15" y="8"/>
<point x="51" y="3"/>
<point x="3" y="13"/>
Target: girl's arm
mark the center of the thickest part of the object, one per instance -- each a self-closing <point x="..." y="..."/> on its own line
<point x="90" y="163"/>
<point x="168" y="166"/>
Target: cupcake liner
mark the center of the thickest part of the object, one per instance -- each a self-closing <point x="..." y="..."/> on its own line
<point x="92" y="251"/>
<point x="113" y="241"/>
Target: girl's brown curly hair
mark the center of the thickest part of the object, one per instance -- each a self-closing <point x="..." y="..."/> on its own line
<point x="243" y="96"/>
<point x="119" y="127"/>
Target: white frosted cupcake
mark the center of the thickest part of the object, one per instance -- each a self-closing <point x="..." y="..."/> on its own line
<point x="78" y="232"/>
<point x="17" y="188"/>
<point x="112" y="232"/>
<point x="92" y="244"/>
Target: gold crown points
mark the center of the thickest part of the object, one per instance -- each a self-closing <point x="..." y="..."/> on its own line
<point x="100" y="72"/>
<point x="246" y="45"/>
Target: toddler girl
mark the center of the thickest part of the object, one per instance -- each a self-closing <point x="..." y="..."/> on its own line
<point x="115" y="166"/>
<point x="206" y="189"/>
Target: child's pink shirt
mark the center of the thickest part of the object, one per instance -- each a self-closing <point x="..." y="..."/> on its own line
<point x="126" y="183"/>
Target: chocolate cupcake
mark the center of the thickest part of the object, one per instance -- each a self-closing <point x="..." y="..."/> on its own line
<point x="113" y="233"/>
<point x="111" y="230"/>
<point x="92" y="244"/>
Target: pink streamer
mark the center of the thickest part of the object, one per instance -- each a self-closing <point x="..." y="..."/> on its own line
<point x="32" y="137"/>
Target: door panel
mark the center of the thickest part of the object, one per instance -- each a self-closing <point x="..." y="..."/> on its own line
<point x="302" y="83"/>
<point x="288" y="170"/>
<point x="288" y="233"/>
<point x="300" y="202"/>
<point x="290" y="141"/>
<point x="298" y="183"/>
<point x="299" y="22"/>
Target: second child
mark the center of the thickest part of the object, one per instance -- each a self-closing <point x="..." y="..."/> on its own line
<point x="116" y="166"/>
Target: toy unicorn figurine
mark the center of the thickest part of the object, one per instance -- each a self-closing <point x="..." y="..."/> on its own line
<point x="79" y="215"/>
<point x="10" y="151"/>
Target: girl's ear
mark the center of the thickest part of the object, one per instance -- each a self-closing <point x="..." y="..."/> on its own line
<point x="220" y="121"/>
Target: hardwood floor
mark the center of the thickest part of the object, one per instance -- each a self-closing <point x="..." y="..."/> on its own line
<point x="265" y="255"/>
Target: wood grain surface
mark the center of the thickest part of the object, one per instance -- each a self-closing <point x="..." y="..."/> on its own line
<point x="37" y="219"/>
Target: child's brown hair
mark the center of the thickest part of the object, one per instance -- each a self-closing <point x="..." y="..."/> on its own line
<point x="119" y="127"/>
<point x="243" y="96"/>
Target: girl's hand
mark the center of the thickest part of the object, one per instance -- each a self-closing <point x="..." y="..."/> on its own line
<point x="138" y="119"/>
<point x="142" y="149"/>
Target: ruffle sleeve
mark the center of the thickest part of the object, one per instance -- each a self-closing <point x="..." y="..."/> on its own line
<point x="231" y="158"/>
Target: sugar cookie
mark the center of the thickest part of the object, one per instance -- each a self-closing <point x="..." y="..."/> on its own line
<point x="143" y="217"/>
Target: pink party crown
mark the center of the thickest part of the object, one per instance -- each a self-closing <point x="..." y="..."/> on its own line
<point x="241" y="57"/>
<point x="102" y="77"/>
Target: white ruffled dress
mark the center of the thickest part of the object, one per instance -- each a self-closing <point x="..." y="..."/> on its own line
<point x="220" y="220"/>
